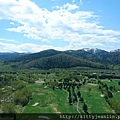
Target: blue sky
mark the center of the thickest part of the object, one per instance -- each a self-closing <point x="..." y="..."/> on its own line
<point x="36" y="25"/>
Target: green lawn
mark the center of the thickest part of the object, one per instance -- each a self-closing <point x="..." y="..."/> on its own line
<point x="55" y="101"/>
<point x="117" y="96"/>
<point x="111" y="83"/>
<point x="49" y="101"/>
<point x="95" y="103"/>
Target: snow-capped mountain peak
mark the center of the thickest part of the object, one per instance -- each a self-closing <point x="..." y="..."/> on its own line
<point x="86" y="49"/>
<point x="94" y="50"/>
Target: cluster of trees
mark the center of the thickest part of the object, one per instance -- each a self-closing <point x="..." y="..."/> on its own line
<point x="30" y="78"/>
<point x="104" y="87"/>
<point x="13" y="92"/>
<point x="8" y="107"/>
<point x="111" y="76"/>
<point x="70" y="83"/>
<point x="6" y="79"/>
<point x="107" y="91"/>
<point x="74" y="94"/>
<point x="22" y="97"/>
<point x="104" y="76"/>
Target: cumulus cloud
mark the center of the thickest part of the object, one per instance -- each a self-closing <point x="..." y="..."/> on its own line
<point x="28" y="47"/>
<point x="69" y="7"/>
<point x="8" y="40"/>
<point x="67" y="22"/>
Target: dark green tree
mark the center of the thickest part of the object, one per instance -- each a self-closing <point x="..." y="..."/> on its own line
<point x="81" y="99"/>
<point x="85" y="108"/>
<point x="118" y="83"/>
<point x="79" y="94"/>
<point x="53" y="87"/>
<point x="110" y="95"/>
<point x="70" y="100"/>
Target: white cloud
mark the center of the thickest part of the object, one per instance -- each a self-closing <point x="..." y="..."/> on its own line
<point x="67" y="22"/>
<point x="12" y="23"/>
<point x="69" y="7"/>
<point x="28" y="47"/>
<point x="8" y="40"/>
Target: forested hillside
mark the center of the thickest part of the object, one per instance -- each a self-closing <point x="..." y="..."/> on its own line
<point x="60" y="61"/>
<point x="93" y="58"/>
<point x="8" y="56"/>
<point x="33" y="56"/>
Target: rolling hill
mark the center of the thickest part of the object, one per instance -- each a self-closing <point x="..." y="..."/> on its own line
<point x="47" y="59"/>
<point x="33" y="56"/>
<point x="61" y="60"/>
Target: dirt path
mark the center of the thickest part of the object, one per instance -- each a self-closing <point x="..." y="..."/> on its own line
<point x="39" y="82"/>
<point x="54" y="107"/>
<point x="92" y="84"/>
<point x="56" y="111"/>
<point x="77" y="106"/>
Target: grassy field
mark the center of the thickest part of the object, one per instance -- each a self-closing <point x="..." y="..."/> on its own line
<point x="117" y="96"/>
<point x="93" y="99"/>
<point x="49" y="101"/>
<point x="111" y="83"/>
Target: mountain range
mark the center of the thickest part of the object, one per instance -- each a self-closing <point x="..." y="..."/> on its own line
<point x="47" y="59"/>
<point x="9" y="55"/>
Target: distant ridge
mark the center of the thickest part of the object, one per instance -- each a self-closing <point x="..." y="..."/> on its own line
<point x="33" y="56"/>
<point x="95" y="51"/>
<point x="10" y="55"/>
<point x="61" y="60"/>
<point x="118" y="50"/>
<point x="47" y="59"/>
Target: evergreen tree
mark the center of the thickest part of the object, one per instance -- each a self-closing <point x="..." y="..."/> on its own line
<point x="53" y="87"/>
<point x="110" y="95"/>
<point x="79" y="94"/>
<point x="118" y="83"/>
<point x="81" y="99"/>
<point x="85" y="108"/>
<point x="70" y="100"/>
<point x="111" y="88"/>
